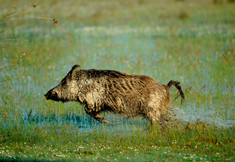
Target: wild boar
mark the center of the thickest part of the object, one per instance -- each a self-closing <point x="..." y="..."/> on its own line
<point x="114" y="91"/>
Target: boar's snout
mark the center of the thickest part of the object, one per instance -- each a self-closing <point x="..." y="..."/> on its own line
<point x="51" y="95"/>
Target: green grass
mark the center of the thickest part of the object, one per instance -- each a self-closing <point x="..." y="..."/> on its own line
<point x="189" y="41"/>
<point x="193" y="143"/>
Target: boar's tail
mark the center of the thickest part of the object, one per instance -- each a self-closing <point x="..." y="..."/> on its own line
<point x="177" y="85"/>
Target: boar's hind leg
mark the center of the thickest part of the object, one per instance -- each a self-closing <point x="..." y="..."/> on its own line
<point x="95" y="115"/>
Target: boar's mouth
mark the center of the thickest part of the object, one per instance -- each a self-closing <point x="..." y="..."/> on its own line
<point x="63" y="101"/>
<point x="54" y="98"/>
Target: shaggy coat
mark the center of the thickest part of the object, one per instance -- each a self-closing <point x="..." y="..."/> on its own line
<point x="110" y="90"/>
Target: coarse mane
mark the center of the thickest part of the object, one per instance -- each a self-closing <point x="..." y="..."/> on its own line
<point x="91" y="73"/>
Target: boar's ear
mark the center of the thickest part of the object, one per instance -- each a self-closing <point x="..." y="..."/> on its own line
<point x="75" y="69"/>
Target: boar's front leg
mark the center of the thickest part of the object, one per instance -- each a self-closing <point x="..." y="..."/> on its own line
<point x="91" y="111"/>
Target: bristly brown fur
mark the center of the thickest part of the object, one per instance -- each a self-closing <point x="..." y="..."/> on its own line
<point x="102" y="90"/>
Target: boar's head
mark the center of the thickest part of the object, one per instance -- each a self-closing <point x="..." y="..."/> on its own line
<point x="67" y="89"/>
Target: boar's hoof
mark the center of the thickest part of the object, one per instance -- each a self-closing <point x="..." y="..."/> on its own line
<point x="105" y="121"/>
<point x="101" y="119"/>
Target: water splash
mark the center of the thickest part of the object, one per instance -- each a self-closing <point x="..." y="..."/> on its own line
<point x="208" y="117"/>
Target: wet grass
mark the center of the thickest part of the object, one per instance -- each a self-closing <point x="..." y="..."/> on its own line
<point x="192" y="42"/>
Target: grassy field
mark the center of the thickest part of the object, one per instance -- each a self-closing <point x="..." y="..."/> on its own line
<point x="189" y="41"/>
